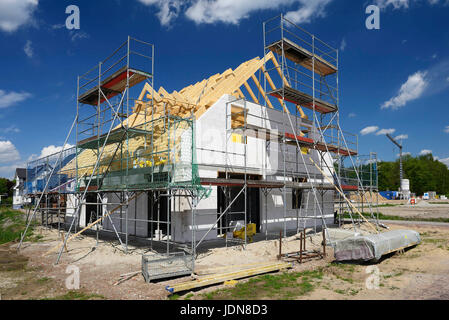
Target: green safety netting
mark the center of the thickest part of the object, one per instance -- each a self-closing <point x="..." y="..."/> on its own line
<point x="158" y="154"/>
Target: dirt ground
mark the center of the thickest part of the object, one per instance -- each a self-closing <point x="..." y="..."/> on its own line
<point x="418" y="273"/>
<point x="423" y="209"/>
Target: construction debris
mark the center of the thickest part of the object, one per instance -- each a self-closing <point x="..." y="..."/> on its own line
<point x="126" y="277"/>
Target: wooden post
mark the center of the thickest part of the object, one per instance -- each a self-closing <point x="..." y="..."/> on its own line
<point x="62" y="239"/>
<point x="324" y="243"/>
<point x="280" y="245"/>
<point x="300" y="247"/>
<point x="304" y="240"/>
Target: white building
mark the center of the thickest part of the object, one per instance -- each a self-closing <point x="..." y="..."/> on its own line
<point x="19" y="198"/>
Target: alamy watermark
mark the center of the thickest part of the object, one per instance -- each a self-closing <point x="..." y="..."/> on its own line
<point x="372" y="282"/>
<point x="72" y="282"/>
<point x="73" y="21"/>
<point x="373" y="20"/>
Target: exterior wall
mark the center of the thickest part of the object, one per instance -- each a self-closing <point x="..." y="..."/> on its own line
<point x="272" y="211"/>
<point x="72" y="202"/>
<point x="205" y="215"/>
<point x="137" y="210"/>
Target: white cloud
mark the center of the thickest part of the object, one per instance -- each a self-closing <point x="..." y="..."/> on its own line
<point x="58" y="26"/>
<point x="51" y="150"/>
<point x="445" y="161"/>
<point x="16" y="13"/>
<point x="352" y="115"/>
<point x="10" y="129"/>
<point x="385" y="131"/>
<point x="8" y="152"/>
<point x="396" y="4"/>
<point x="11" y="98"/>
<point x="369" y="130"/>
<point x="412" y="89"/>
<point x="424" y="152"/>
<point x="405" y="154"/>
<point x="402" y="137"/>
<point x="343" y="44"/>
<point x="308" y="10"/>
<point x="8" y="171"/>
<point x="446" y="129"/>
<point x="29" y="49"/>
<point x="405" y="4"/>
<point x="75" y="35"/>
<point x="168" y="10"/>
<point x="232" y="11"/>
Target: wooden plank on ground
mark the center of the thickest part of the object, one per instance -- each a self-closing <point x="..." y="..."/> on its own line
<point x="220" y="278"/>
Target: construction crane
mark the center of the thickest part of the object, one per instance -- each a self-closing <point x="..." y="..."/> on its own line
<point x="400" y="158"/>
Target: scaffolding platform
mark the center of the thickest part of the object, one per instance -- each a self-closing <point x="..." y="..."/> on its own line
<point x="118" y="135"/>
<point x="114" y="85"/>
<point x="350" y="188"/>
<point x="303" y="99"/>
<point x="268" y="184"/>
<point x="303" y="57"/>
<point x="319" y="145"/>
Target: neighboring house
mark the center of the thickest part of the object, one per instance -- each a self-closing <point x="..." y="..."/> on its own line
<point x="38" y="172"/>
<point x="19" y="197"/>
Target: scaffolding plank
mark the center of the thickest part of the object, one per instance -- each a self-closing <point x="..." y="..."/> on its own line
<point x="116" y="136"/>
<point x="303" y="99"/>
<point x="270" y="184"/>
<point x="320" y="146"/>
<point x="303" y="57"/>
<point x="335" y="149"/>
<point x="113" y="85"/>
<point x="240" y="182"/>
<point x="349" y="188"/>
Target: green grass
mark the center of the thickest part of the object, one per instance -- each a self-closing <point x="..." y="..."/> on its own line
<point x="386" y="205"/>
<point x="76" y="295"/>
<point x="397" y="218"/>
<point x="351" y="292"/>
<point x="340" y="291"/>
<point x="43" y="280"/>
<point x="394" y="288"/>
<point x="287" y="285"/>
<point x="12" y="224"/>
<point x="344" y="266"/>
<point x="439" y="202"/>
<point x="435" y="240"/>
<point x="397" y="274"/>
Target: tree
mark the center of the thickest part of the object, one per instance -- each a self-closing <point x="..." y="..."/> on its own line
<point x="424" y="172"/>
<point x="6" y="187"/>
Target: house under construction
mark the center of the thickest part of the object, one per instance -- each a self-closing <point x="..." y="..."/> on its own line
<point x="256" y="149"/>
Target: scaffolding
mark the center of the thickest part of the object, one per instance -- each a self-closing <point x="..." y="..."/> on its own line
<point x="126" y="148"/>
<point x="309" y="70"/>
<point x="364" y="195"/>
<point x="60" y="184"/>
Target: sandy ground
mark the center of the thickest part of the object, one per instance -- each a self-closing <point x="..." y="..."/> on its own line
<point x="418" y="273"/>
<point x="422" y="210"/>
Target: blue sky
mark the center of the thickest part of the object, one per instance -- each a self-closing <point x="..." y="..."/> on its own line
<point x="395" y="78"/>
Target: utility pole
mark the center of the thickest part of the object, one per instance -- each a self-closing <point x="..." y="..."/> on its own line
<point x="400" y="159"/>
